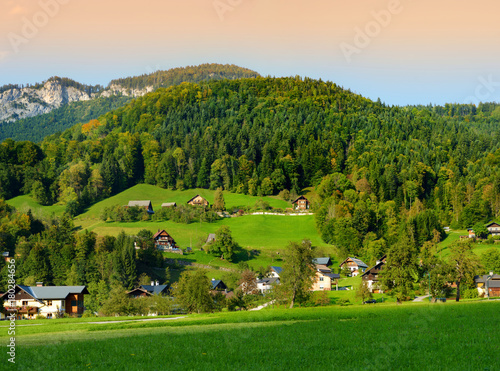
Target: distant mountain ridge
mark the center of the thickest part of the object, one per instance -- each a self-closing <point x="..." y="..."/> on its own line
<point x="28" y="103"/>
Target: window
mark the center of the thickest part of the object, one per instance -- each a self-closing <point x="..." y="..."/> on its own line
<point x="73" y="303"/>
<point x="49" y="303"/>
<point x="322" y="278"/>
<point x="25" y="303"/>
<point x="321" y="287"/>
<point x="49" y="315"/>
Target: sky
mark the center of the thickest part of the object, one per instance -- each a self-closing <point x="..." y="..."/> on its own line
<point x="401" y="51"/>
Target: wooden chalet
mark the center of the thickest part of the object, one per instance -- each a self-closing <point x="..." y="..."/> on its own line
<point x="301" y="204"/>
<point x="355" y="265"/>
<point x="148" y="290"/>
<point x="142" y="204"/>
<point x="198" y="201"/>
<point x="163" y="241"/>
<point x="493" y="228"/>
<point x="488" y="285"/>
<point x="371" y="276"/>
<point x="46" y="301"/>
<point x="218" y="285"/>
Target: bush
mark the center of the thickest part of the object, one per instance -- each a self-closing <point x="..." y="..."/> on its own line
<point x="343" y="302"/>
<point x="470" y="294"/>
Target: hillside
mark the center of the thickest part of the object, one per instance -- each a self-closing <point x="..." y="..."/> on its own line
<point x="27" y="112"/>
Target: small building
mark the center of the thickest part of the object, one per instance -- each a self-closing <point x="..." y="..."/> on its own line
<point x="301" y="203"/>
<point x="211" y="237"/>
<point x="355" y="265"/>
<point x="142" y="204"/>
<point x="218" y="285"/>
<point x="148" y="290"/>
<point x="163" y="241"/>
<point x="324" y="279"/>
<point x="371" y="276"/>
<point x="493" y="228"/>
<point x="472" y="234"/>
<point x="266" y="284"/>
<point x="46" y="301"/>
<point x="322" y="261"/>
<point x="198" y="201"/>
<point x="275" y="272"/>
<point x="488" y="285"/>
<point x="169" y="204"/>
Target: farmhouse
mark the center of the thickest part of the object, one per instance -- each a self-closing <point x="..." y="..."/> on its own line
<point x="163" y="241"/>
<point x="275" y="272"/>
<point x="493" y="228"/>
<point x="46" y="301"/>
<point x="371" y="276"/>
<point x="148" y="290"/>
<point x="354" y="265"/>
<point x="301" y="203"/>
<point x="488" y="285"/>
<point x="266" y="284"/>
<point x="198" y="201"/>
<point x="142" y="204"/>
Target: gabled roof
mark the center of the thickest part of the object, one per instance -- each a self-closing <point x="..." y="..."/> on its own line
<point x="299" y="198"/>
<point x="323" y="268"/>
<point x="211" y="237"/>
<point x="379" y="264"/>
<point x="278" y="270"/>
<point x="161" y="232"/>
<point x="333" y="276"/>
<point x="323" y="261"/>
<point x="269" y="281"/>
<point x="491" y="223"/>
<point x="357" y="261"/>
<point x="218" y="284"/>
<point x="155" y="290"/>
<point x="198" y="196"/>
<point x="52" y="292"/>
<point x="146" y="203"/>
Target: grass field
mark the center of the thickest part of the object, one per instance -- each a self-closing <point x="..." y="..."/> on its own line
<point x="24" y="203"/>
<point x="457" y="336"/>
<point x="453" y="236"/>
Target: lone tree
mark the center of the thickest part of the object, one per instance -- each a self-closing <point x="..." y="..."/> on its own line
<point x="465" y="264"/>
<point x="224" y="245"/>
<point x="192" y="291"/>
<point x="219" y="203"/>
<point x="298" y="272"/>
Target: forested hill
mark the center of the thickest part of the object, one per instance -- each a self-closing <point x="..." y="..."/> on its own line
<point x="262" y="135"/>
<point x="175" y="76"/>
<point x="31" y="113"/>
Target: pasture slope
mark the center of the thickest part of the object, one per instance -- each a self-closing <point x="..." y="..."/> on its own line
<point x="454" y="336"/>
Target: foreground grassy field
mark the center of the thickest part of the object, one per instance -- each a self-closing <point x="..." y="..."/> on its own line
<point x="412" y="336"/>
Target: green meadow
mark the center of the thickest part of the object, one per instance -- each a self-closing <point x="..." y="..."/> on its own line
<point x="455" y="336"/>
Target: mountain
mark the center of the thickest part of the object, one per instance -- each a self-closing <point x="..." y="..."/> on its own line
<point x="24" y="110"/>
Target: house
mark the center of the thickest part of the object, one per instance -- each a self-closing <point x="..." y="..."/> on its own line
<point x="488" y="285"/>
<point x="142" y="204"/>
<point x="324" y="278"/>
<point x="163" y="241"/>
<point x="46" y="301"/>
<point x="354" y="265"/>
<point x="322" y="261"/>
<point x="493" y="228"/>
<point x="6" y="256"/>
<point x="266" y="284"/>
<point x="472" y="234"/>
<point x="371" y="276"/>
<point x="169" y="204"/>
<point x="301" y="203"/>
<point x="198" y="201"/>
<point x="275" y="272"/>
<point x="211" y="237"/>
<point x="218" y="285"/>
<point x="148" y="290"/>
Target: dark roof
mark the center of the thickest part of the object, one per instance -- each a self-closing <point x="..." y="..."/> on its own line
<point x="322" y="261"/>
<point x="333" y="276"/>
<point x="277" y="269"/>
<point x="490" y="223"/>
<point x="299" y="198"/>
<point x="218" y="284"/>
<point x="139" y="203"/>
<point x="160" y="232"/>
<point x="378" y="265"/>
<point x="52" y="292"/>
<point x="168" y="204"/>
<point x="197" y="196"/>
<point x="479" y="279"/>
<point x="155" y="290"/>
<point x="269" y="280"/>
<point x="357" y="261"/>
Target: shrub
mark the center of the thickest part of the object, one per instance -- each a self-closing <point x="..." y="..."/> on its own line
<point x="343" y="302"/>
<point x="470" y="294"/>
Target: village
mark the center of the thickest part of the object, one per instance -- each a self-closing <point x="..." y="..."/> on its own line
<point x="34" y="302"/>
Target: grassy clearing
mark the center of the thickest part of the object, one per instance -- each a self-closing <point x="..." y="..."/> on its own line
<point x="25" y="203"/>
<point x="453" y="236"/>
<point x="410" y="336"/>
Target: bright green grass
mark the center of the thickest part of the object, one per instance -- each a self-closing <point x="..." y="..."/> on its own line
<point x="380" y="337"/>
<point x="158" y="196"/>
<point x="24" y="203"/>
<point x="453" y="236"/>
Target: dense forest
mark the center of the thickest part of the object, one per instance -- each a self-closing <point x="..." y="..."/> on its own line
<point x="373" y="166"/>
<point x="38" y="127"/>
